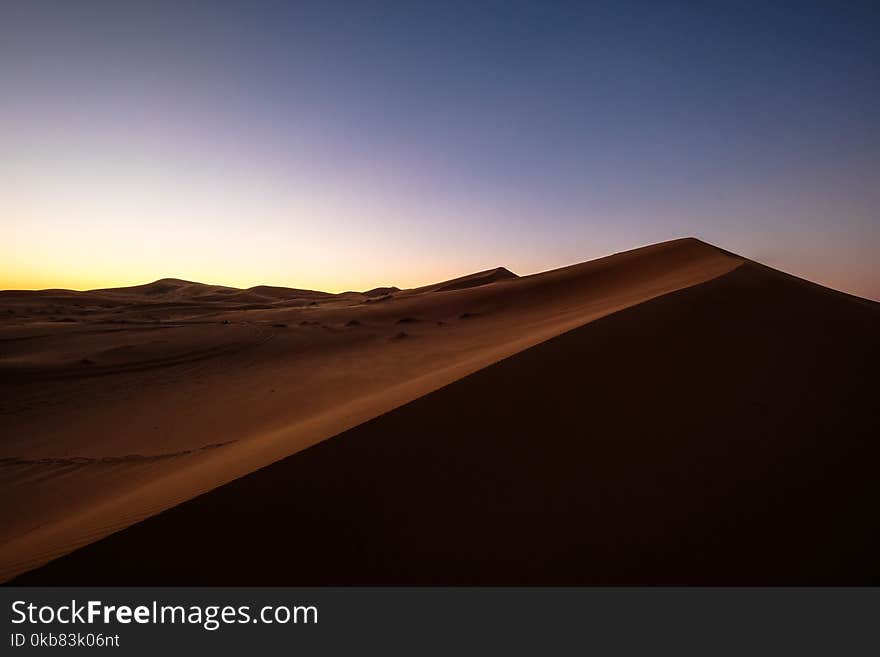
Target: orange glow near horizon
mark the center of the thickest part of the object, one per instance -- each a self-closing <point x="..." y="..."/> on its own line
<point x="76" y="221"/>
<point x="103" y="212"/>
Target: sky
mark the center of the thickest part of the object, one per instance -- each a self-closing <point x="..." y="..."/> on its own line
<point x="341" y="146"/>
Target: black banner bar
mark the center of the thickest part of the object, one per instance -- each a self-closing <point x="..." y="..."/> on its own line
<point x="416" y="621"/>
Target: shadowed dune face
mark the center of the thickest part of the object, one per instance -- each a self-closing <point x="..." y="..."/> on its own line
<point x="725" y="433"/>
<point x="139" y="404"/>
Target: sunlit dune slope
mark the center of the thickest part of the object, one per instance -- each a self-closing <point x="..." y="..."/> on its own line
<point x="722" y="434"/>
<point x="136" y="404"/>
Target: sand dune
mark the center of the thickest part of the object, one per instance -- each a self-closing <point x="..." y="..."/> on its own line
<point x="288" y="293"/>
<point x="165" y="287"/>
<point x="471" y="280"/>
<point x="613" y="451"/>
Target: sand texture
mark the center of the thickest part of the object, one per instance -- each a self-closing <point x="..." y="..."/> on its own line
<point x="674" y="414"/>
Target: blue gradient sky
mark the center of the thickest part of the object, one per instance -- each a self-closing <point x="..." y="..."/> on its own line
<point x="346" y="145"/>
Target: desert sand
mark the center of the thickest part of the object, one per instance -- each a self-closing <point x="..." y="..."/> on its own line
<point x="675" y="414"/>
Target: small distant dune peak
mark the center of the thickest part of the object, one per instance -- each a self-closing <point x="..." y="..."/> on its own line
<point x="167" y="285"/>
<point x="277" y="292"/>
<point x="164" y="286"/>
<point x="500" y="273"/>
<point x="381" y="291"/>
<point x="174" y="281"/>
<point x="477" y="279"/>
<point x="471" y="280"/>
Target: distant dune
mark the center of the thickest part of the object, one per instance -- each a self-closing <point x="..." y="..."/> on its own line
<point x="381" y="291"/>
<point x="674" y="414"/>
<point x="288" y="293"/>
<point x="471" y="280"/>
